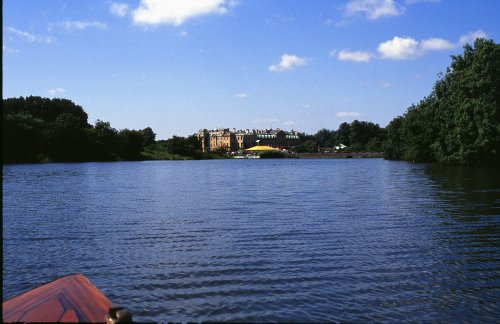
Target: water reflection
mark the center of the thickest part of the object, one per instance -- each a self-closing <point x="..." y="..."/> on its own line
<point x="474" y="191"/>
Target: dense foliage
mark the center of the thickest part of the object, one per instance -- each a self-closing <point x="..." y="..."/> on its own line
<point x="38" y="129"/>
<point x="273" y="155"/>
<point x="459" y="122"/>
<point x="177" y="148"/>
<point x="358" y="136"/>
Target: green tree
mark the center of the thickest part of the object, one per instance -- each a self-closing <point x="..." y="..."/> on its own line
<point x="130" y="144"/>
<point x="149" y="136"/>
<point x="21" y="138"/>
<point x="325" y="138"/>
<point x="343" y="134"/>
<point x="309" y="146"/>
<point x="190" y="146"/>
<point x="459" y="122"/>
<point x="103" y="141"/>
<point x="469" y="100"/>
<point x="394" y="146"/>
<point x="40" y="129"/>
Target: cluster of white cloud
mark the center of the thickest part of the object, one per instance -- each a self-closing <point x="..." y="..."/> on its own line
<point x="172" y="12"/>
<point x="406" y="48"/>
<point x="119" y="9"/>
<point x="242" y="95"/>
<point x="470" y="37"/>
<point x="287" y="63"/>
<point x="275" y="121"/>
<point x="29" y="37"/>
<point x="56" y="91"/>
<point x="375" y="9"/>
<point x="265" y="120"/>
<point x="356" y="56"/>
<point x="290" y="123"/>
<point x="349" y="114"/>
<point x="7" y="49"/>
<point x="410" y="2"/>
<point x="70" y="25"/>
<point x="398" y="48"/>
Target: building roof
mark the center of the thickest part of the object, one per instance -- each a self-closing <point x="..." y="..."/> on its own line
<point x="261" y="148"/>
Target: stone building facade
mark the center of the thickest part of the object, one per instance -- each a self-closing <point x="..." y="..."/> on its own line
<point x="233" y="140"/>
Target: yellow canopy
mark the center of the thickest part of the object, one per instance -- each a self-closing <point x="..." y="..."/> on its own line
<point x="262" y="148"/>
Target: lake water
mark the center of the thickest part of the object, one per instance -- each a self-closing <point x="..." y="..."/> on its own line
<point x="261" y="240"/>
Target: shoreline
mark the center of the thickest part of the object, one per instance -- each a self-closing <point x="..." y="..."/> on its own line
<point x="341" y="155"/>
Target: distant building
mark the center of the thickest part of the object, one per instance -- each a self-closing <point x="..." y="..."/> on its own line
<point x="232" y="140"/>
<point x="245" y="139"/>
<point x="204" y="138"/>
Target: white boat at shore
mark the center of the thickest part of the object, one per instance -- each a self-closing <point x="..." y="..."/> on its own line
<point x="248" y="156"/>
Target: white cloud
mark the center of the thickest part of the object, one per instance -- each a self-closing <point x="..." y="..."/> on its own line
<point x="7" y="49"/>
<point x="386" y="84"/>
<point x="29" y="37"/>
<point x="411" y="2"/>
<point x="70" y="25"/>
<point x="435" y="44"/>
<point x="356" y="56"/>
<point x="274" y="121"/>
<point x="242" y="95"/>
<point x="470" y="37"/>
<point x="56" y="91"/>
<point x="176" y="12"/>
<point x="183" y="33"/>
<point x="399" y="48"/>
<point x="288" y="62"/>
<point x="405" y="48"/>
<point x="119" y="9"/>
<point x="374" y="9"/>
<point x="265" y="120"/>
<point x="343" y="114"/>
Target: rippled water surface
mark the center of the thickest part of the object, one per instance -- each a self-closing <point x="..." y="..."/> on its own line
<point x="261" y="240"/>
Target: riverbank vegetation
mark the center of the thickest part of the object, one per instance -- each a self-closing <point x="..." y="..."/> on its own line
<point x="277" y="155"/>
<point x="39" y="129"/>
<point x="179" y="148"/>
<point x="458" y="123"/>
<point x="358" y="136"/>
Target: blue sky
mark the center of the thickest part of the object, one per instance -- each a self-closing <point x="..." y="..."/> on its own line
<point x="181" y="65"/>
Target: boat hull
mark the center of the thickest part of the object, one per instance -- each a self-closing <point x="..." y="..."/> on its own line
<point x="71" y="298"/>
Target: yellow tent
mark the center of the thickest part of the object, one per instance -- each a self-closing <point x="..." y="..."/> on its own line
<point x="261" y="148"/>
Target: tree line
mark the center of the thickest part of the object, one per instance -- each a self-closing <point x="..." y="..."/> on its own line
<point x="358" y="136"/>
<point x="39" y="129"/>
<point x="458" y="123"/>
